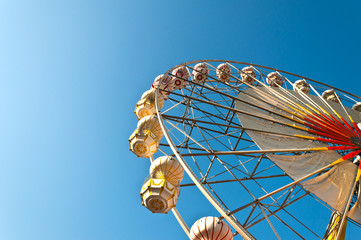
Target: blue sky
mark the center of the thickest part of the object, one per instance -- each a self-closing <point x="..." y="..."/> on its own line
<point x="72" y="71"/>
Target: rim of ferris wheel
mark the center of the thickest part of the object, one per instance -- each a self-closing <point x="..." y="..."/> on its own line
<point x="296" y="119"/>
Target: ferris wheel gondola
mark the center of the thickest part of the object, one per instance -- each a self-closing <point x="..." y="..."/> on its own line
<point x="267" y="148"/>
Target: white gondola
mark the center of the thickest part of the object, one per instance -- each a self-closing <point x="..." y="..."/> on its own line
<point x="301" y="85"/>
<point x="210" y="228"/>
<point x="168" y="168"/>
<point x="165" y="83"/>
<point x="357" y="106"/>
<point x="274" y="79"/>
<point x="180" y="77"/>
<point x="146" y="104"/>
<point x="145" y="139"/>
<point x="224" y="72"/>
<point x="200" y="73"/>
<point x="159" y="195"/>
<point x="248" y="75"/>
<point x="330" y="95"/>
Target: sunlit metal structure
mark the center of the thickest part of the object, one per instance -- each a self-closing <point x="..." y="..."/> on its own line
<point x="271" y="151"/>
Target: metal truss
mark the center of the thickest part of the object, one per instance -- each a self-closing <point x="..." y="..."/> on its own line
<point x="252" y="193"/>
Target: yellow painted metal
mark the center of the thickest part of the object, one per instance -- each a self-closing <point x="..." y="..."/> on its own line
<point x="358" y="174"/>
<point x="334" y="226"/>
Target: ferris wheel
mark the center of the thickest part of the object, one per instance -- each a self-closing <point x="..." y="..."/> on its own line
<point x="275" y="153"/>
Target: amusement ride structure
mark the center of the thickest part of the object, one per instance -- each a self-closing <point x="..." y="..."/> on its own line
<point x="271" y="151"/>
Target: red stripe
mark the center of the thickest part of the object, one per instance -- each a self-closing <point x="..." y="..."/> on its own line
<point x="341" y="124"/>
<point x="348" y="126"/>
<point x="333" y="141"/>
<point x="226" y="233"/>
<point x="327" y="128"/>
<point x="330" y="134"/>
<point x="340" y="138"/>
<point x="338" y="125"/>
<point x="219" y="230"/>
<point x="205" y="226"/>
<point x="324" y="125"/>
<point x="195" y="233"/>
<point x="214" y="222"/>
<point x="334" y="121"/>
<point x="350" y="155"/>
<point x="326" y="121"/>
<point x="341" y="148"/>
<point x="357" y="129"/>
<point x="200" y="231"/>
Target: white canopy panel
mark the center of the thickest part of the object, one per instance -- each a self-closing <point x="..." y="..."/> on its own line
<point x="355" y="211"/>
<point x="298" y="166"/>
<point x="334" y="186"/>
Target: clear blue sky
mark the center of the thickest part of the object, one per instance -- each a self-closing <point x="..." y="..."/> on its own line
<point x="72" y="71"/>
